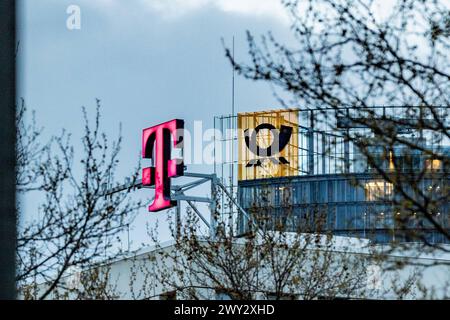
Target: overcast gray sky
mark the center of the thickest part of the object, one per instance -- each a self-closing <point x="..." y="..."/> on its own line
<point x="148" y="61"/>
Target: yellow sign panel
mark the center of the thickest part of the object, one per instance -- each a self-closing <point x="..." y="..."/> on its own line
<point x="268" y="144"/>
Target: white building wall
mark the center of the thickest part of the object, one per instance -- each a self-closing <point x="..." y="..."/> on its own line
<point x="135" y="276"/>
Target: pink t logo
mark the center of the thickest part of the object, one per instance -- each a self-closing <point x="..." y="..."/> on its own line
<point x="156" y="146"/>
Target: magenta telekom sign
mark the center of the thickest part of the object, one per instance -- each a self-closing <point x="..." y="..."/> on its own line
<point x="157" y="143"/>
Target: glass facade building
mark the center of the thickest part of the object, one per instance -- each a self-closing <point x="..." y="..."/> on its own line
<point x="337" y="189"/>
<point x="355" y="205"/>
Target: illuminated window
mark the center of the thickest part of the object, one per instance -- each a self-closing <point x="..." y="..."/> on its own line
<point x="378" y="190"/>
<point x="391" y="161"/>
<point x="433" y="164"/>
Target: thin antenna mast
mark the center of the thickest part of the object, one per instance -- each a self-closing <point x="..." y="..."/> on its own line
<point x="233" y="130"/>
<point x="232" y="85"/>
